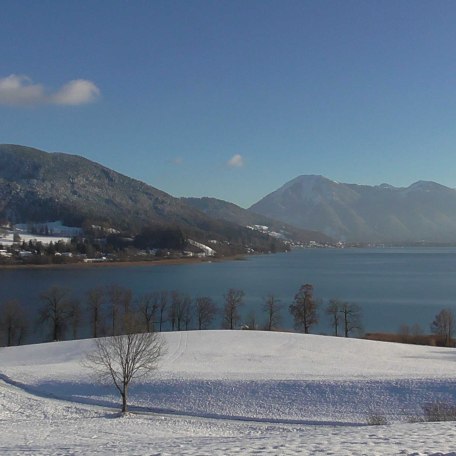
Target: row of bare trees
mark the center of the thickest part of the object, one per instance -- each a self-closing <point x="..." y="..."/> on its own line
<point x="443" y="327"/>
<point x="344" y="317"/>
<point x="108" y="310"/>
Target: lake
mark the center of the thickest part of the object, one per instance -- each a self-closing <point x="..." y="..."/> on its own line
<point x="392" y="285"/>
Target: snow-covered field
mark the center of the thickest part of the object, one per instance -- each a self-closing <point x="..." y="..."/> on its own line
<point x="231" y="392"/>
<point x="8" y="239"/>
<point x="58" y="232"/>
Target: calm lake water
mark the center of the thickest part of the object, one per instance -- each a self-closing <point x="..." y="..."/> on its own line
<point x="393" y="286"/>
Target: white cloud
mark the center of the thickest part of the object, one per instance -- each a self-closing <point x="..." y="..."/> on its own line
<point x="79" y="91"/>
<point x="20" y="90"/>
<point x="236" y="161"/>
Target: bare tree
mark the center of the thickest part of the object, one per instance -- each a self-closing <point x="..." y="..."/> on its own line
<point x="272" y="307"/>
<point x="233" y="301"/>
<point x="94" y="306"/>
<point x="333" y="310"/>
<point x="173" y="309"/>
<point x="205" y="310"/>
<point x="124" y="358"/>
<point x="55" y="310"/>
<point x="187" y="311"/>
<point x="443" y="325"/>
<point x="180" y="311"/>
<point x="114" y="293"/>
<point x="251" y="321"/>
<point x="351" y="318"/>
<point x="147" y="308"/>
<point x="417" y="330"/>
<point x="304" y="308"/>
<point x="405" y="333"/>
<point x="13" y="322"/>
<point x="411" y="334"/>
<point x="75" y="316"/>
<point x="126" y="300"/>
<point x="163" y="303"/>
<point x="120" y="301"/>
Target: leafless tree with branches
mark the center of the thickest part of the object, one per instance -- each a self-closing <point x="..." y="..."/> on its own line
<point x="272" y="306"/>
<point x="443" y="325"/>
<point x="162" y="305"/>
<point x="233" y="300"/>
<point x="119" y="302"/>
<point x="205" y="310"/>
<point x="95" y="300"/>
<point x="351" y="318"/>
<point x="13" y="322"/>
<point x="333" y="310"/>
<point x="147" y="307"/>
<point x="121" y="359"/>
<point x="75" y="316"/>
<point x="304" y="308"/>
<point x="55" y="310"/>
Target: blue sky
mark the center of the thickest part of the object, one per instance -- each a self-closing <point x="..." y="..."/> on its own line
<point x="232" y="99"/>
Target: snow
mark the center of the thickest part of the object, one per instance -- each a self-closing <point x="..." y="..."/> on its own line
<point x="7" y="239"/>
<point x="57" y="228"/>
<point x="207" y="250"/>
<point x="59" y="232"/>
<point x="231" y="392"/>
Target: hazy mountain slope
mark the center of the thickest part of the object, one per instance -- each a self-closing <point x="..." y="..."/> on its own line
<point x="424" y="211"/>
<point x="39" y="186"/>
<point x="224" y="210"/>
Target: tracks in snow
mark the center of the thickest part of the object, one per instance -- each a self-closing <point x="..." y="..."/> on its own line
<point x="181" y="348"/>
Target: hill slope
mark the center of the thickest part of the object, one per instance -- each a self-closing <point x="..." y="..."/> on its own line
<point x="37" y="186"/>
<point x="424" y="211"/>
<point x="230" y="392"/>
<point x="223" y="210"/>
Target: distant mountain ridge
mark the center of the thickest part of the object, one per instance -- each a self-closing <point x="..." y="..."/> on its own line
<point x="424" y="211"/>
<point x="224" y="210"/>
<point x="37" y="186"/>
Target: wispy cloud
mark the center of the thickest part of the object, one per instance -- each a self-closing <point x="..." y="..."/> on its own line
<point x="236" y="161"/>
<point x="20" y="90"/>
<point x="177" y="161"/>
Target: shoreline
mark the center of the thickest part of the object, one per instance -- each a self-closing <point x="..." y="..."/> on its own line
<point x="134" y="263"/>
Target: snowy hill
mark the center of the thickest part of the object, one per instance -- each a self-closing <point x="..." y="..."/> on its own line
<point x="231" y="392"/>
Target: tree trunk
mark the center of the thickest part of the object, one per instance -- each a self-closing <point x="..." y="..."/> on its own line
<point x="95" y="323"/>
<point x="10" y="336"/>
<point x="124" y="401"/>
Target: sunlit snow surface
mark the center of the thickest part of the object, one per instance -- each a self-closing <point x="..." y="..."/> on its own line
<point x="231" y="392"/>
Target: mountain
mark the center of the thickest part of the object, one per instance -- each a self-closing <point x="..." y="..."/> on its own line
<point x="424" y="211"/>
<point x="223" y="210"/>
<point x="37" y="186"/>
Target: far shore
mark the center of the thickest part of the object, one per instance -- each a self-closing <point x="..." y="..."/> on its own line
<point x="126" y="263"/>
